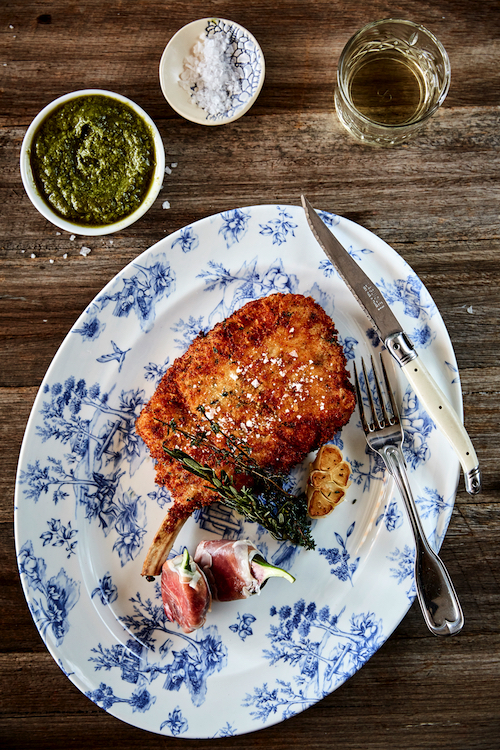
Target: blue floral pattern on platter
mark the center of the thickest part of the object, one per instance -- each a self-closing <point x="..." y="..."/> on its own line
<point x="87" y="505"/>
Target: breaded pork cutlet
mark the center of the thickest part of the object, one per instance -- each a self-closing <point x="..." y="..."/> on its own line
<point x="272" y="375"/>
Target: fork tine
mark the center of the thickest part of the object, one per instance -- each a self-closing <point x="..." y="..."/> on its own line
<point x="381" y="400"/>
<point x="361" y="408"/>
<point x="375" y="419"/>
<point x="394" y="407"/>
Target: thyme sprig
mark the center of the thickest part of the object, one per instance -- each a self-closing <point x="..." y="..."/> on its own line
<point x="268" y="503"/>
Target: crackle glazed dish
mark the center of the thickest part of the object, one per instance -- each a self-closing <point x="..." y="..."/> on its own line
<point x="212" y="71"/>
<point x="86" y="503"/>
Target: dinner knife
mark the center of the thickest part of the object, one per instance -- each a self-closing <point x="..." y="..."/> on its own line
<point x="399" y="345"/>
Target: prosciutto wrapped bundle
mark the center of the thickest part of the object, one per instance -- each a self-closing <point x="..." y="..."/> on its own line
<point x="235" y="570"/>
<point x="185" y="592"/>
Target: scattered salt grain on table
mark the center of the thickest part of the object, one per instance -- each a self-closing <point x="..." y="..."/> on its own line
<point x="210" y="74"/>
<point x="85" y="251"/>
<point x="165" y="204"/>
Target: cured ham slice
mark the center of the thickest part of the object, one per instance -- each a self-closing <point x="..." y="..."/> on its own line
<point x="235" y="570"/>
<point x="185" y="592"/>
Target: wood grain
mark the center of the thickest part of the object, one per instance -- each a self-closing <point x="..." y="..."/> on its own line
<point x="434" y="200"/>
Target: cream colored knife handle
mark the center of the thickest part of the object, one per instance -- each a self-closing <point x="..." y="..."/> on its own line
<point x="444" y="415"/>
<point x="437" y="407"/>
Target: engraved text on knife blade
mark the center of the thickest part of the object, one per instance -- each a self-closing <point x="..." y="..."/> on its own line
<point x="373" y="293"/>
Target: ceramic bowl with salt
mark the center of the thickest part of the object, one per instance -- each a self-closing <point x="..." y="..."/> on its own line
<point x="212" y="71"/>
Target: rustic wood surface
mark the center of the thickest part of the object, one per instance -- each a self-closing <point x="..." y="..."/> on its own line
<point x="435" y="200"/>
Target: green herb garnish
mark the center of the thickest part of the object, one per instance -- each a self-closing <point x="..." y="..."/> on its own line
<point x="268" y="503"/>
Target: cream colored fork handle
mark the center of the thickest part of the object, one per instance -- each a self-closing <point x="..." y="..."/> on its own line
<point x="444" y="415"/>
<point x="438" y="600"/>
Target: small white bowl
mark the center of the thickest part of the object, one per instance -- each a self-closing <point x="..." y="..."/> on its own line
<point x="43" y="207"/>
<point x="247" y="57"/>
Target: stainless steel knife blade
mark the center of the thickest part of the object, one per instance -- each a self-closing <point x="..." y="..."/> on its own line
<point x="356" y="279"/>
<point x="399" y="345"/>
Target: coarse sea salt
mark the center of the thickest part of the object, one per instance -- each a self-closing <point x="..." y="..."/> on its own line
<point x="210" y="74"/>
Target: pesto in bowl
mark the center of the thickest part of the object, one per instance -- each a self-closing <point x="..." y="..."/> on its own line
<point x="95" y="161"/>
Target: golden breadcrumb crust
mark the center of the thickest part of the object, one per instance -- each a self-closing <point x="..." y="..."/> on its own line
<point x="272" y="375"/>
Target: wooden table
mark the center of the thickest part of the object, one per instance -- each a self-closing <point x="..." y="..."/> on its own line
<point x="434" y="200"/>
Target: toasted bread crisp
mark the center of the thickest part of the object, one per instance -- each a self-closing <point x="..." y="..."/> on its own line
<point x="272" y="375"/>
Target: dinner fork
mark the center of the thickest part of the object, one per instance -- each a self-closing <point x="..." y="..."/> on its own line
<point x="384" y="435"/>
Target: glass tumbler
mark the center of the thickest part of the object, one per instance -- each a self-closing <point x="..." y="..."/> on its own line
<point x="392" y="76"/>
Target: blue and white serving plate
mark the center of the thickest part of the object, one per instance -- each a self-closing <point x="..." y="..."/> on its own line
<point x="87" y="506"/>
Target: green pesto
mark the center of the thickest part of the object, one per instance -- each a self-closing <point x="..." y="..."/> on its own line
<point x="93" y="160"/>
